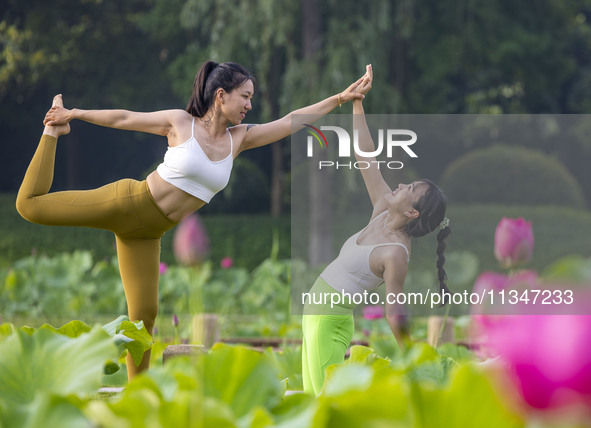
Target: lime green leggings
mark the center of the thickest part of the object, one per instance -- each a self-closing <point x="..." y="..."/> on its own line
<point x="124" y="207"/>
<point x="327" y="335"/>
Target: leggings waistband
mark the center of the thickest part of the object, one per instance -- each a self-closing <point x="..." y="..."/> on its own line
<point x="149" y="214"/>
<point x="325" y="300"/>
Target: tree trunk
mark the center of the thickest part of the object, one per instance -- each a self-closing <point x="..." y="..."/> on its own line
<point x="277" y="148"/>
<point x="320" y="233"/>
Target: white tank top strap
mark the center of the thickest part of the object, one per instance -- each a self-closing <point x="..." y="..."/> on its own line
<point x="193" y="128"/>
<point x="400" y="244"/>
<point x="231" y="142"/>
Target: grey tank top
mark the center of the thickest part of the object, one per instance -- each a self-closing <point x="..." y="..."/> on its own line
<point x="350" y="271"/>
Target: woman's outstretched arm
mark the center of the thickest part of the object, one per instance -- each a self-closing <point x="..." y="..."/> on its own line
<point x="158" y="122"/>
<point x="261" y="135"/>
<point x="372" y="177"/>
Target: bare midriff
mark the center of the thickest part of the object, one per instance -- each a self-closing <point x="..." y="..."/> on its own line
<point x="174" y="202"/>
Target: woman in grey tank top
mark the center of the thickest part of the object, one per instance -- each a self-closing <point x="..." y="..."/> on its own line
<point x="377" y="254"/>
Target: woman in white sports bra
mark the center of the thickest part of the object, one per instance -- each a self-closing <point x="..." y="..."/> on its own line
<point x="377" y="254"/>
<point x="197" y="165"/>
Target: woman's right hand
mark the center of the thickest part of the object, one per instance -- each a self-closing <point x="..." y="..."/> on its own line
<point x="57" y="116"/>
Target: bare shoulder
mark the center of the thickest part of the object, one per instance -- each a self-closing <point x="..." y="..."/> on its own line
<point x="239" y="134"/>
<point x="394" y="260"/>
<point x="179" y="116"/>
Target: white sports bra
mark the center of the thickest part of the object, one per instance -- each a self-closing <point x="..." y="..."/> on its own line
<point x="187" y="167"/>
<point x="350" y="271"/>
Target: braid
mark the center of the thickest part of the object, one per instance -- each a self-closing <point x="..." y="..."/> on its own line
<point x="432" y="206"/>
<point x="441" y="275"/>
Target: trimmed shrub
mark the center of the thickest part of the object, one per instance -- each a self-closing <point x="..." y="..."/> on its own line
<point x="511" y="175"/>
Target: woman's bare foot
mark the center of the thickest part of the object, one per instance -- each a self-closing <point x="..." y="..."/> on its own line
<point x="57" y="130"/>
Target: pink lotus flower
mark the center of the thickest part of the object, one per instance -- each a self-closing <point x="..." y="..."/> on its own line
<point x="373" y="312"/>
<point x="163" y="268"/>
<point x="547" y="356"/>
<point x="190" y="243"/>
<point x="227" y="263"/>
<point x="514" y="242"/>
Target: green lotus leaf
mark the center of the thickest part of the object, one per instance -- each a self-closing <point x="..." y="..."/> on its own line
<point x="240" y="377"/>
<point x="355" y="396"/>
<point x="469" y="400"/>
<point x="50" y="363"/>
<point x="72" y="329"/>
<point x="44" y="411"/>
<point x="6" y="330"/>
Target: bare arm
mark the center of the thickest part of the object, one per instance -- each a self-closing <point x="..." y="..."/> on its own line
<point x="372" y="177"/>
<point x="395" y="269"/>
<point x="260" y="135"/>
<point x="158" y="122"/>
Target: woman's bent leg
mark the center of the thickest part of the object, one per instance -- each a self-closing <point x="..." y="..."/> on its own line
<point x="328" y="330"/>
<point x="38" y="178"/>
<point x="327" y="338"/>
<point x="105" y="208"/>
<point x="139" y="265"/>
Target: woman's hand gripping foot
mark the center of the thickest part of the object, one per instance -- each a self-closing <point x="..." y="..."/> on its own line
<point x="57" y="119"/>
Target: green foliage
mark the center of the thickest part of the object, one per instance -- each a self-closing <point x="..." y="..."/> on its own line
<point x="42" y="375"/>
<point x="64" y="285"/>
<point x="572" y="269"/>
<point x="241" y="378"/>
<point x="127" y="336"/>
<point x="235" y="386"/>
<point x="289" y="364"/>
<point x="510" y="175"/>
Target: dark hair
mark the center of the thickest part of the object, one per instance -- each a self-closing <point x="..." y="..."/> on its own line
<point x="432" y="206"/>
<point x="210" y="77"/>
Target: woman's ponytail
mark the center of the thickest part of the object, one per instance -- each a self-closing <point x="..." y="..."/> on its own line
<point x="199" y="103"/>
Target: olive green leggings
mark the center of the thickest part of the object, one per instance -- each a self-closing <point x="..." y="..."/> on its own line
<point x="327" y="334"/>
<point x="124" y="207"/>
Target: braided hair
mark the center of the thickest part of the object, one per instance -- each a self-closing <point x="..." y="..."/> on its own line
<point x="431" y="206"/>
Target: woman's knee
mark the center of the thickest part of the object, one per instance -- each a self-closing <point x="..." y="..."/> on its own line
<point x="146" y="314"/>
<point x="28" y="209"/>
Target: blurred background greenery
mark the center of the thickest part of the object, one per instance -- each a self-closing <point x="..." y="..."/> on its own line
<point x="429" y="56"/>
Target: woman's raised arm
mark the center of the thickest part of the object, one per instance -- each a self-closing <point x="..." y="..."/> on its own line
<point x="374" y="181"/>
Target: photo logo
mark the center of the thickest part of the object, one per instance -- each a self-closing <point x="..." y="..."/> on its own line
<point x="316" y="135"/>
<point x="387" y="138"/>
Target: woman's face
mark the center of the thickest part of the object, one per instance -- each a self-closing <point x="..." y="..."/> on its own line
<point x="404" y="197"/>
<point x="236" y="103"/>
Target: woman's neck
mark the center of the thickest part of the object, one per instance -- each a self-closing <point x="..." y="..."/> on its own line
<point x="395" y="225"/>
<point x="214" y="124"/>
